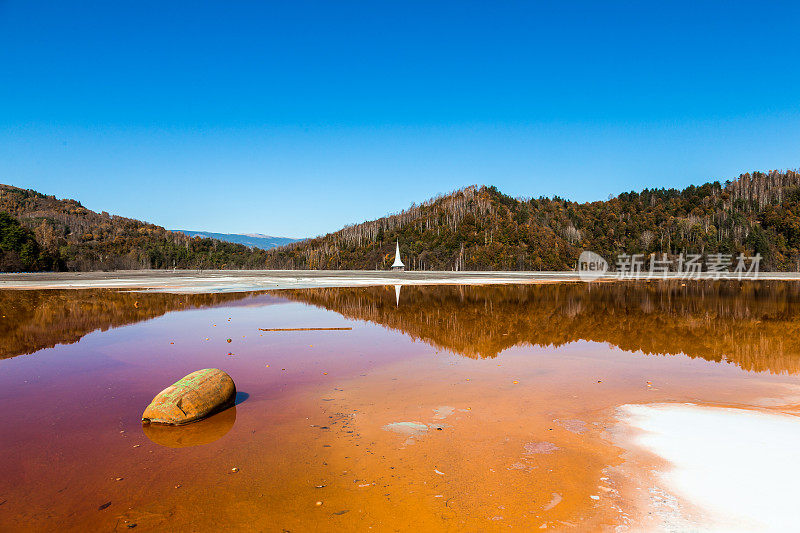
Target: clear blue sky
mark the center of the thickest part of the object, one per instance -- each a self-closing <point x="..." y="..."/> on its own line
<point x="295" y="118"/>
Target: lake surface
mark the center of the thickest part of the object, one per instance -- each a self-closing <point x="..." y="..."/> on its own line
<point x="473" y="408"/>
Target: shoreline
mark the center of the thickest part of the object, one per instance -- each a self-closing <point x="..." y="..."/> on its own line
<point x="183" y="281"/>
<point x="683" y="455"/>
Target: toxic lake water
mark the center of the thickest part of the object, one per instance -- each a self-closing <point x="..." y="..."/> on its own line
<point x="444" y="408"/>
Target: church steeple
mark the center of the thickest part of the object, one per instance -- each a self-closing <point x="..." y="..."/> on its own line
<point x="398" y="264"/>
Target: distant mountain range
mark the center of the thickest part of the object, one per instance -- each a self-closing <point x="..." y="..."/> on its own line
<point x="253" y="240"/>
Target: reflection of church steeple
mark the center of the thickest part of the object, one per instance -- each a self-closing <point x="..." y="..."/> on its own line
<point x="754" y="326"/>
<point x="397" y="295"/>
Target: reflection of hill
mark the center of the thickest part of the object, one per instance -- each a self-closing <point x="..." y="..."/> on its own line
<point x="33" y="320"/>
<point x="754" y="325"/>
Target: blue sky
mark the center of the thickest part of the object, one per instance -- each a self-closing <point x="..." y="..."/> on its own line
<point x="296" y="118"/>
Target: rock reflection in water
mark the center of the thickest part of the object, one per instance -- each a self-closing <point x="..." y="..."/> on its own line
<point x="195" y="434"/>
<point x="755" y="325"/>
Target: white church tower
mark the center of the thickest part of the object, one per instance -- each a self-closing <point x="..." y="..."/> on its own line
<point x="398" y="265"/>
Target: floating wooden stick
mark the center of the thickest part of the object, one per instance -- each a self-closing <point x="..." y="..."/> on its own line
<point x="304" y="329"/>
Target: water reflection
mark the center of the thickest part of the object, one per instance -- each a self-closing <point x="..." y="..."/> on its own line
<point x="34" y="320"/>
<point x="755" y="325"/>
<point x="197" y="433"/>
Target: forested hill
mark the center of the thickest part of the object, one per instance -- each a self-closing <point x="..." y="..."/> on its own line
<point x="479" y="228"/>
<point x="39" y="232"/>
<point x="476" y="228"/>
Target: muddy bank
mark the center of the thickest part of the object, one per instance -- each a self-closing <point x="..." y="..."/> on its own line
<point x="251" y="280"/>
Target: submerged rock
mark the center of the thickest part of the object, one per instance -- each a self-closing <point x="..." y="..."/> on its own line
<point x="407" y="428"/>
<point x="440" y="413"/>
<point x="198" y="395"/>
<point x="539" y="447"/>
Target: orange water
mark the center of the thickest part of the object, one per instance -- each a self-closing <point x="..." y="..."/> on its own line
<point x="512" y="392"/>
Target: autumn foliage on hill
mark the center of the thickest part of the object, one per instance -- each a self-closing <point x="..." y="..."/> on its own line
<point x="479" y="228"/>
<point x="19" y="249"/>
<point x="475" y="228"/>
<point x="77" y="238"/>
<point x="470" y="229"/>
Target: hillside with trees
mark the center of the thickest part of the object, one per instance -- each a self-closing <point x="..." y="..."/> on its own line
<point x="475" y="228"/>
<point x="65" y="235"/>
<point x="19" y="249"/>
<point x="480" y="228"/>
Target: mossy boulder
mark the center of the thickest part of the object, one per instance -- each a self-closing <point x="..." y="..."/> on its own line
<point x="196" y="396"/>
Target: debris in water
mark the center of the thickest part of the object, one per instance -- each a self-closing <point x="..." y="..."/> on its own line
<point x="407" y="428"/>
<point x="304" y="329"/>
<point x="104" y="506"/>
<point x="555" y="500"/>
<point x="319" y="503"/>
<point x="442" y="412"/>
<point x="440" y="473"/>
<point x="234" y="469"/>
<point x="342" y="512"/>
<point x="572" y="424"/>
<point x="539" y="447"/>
